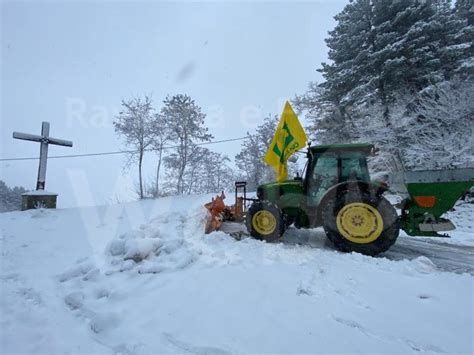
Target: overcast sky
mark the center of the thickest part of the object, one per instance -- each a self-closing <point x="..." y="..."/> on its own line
<point x="71" y="63"/>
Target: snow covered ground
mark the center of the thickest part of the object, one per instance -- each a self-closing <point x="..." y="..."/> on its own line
<point x="142" y="277"/>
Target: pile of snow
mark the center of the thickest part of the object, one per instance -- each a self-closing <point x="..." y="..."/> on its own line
<point x="154" y="248"/>
<point x="463" y="218"/>
<point x="143" y="277"/>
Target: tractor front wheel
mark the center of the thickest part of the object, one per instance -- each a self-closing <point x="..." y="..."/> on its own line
<point x="361" y="222"/>
<point x="265" y="221"/>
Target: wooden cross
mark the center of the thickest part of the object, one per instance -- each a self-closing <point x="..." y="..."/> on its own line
<point x="44" y="139"/>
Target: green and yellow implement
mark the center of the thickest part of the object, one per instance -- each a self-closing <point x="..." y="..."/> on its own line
<point x="427" y="195"/>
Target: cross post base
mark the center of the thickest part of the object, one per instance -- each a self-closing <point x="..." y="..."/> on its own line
<point x="38" y="199"/>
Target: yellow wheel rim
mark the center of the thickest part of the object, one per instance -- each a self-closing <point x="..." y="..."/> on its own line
<point x="359" y="222"/>
<point x="264" y="222"/>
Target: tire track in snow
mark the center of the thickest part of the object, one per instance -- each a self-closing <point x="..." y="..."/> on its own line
<point x="446" y="257"/>
<point x="192" y="349"/>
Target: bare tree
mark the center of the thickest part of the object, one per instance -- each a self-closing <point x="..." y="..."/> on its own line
<point x="134" y="124"/>
<point x="250" y="159"/>
<point x="161" y="136"/>
<point x="216" y="174"/>
<point x="186" y="123"/>
<point x="207" y="172"/>
<point x="438" y="133"/>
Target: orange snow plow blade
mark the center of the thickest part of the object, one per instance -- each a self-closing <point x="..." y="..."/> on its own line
<point x="216" y="213"/>
<point x="219" y="212"/>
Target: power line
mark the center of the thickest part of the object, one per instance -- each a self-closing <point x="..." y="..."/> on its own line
<point x="120" y="152"/>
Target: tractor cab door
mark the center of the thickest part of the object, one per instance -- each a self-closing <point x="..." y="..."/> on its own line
<point x="329" y="169"/>
<point x="353" y="168"/>
<point x="321" y="177"/>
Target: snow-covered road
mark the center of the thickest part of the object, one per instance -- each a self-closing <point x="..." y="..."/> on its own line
<point x="446" y="255"/>
<point x="142" y="277"/>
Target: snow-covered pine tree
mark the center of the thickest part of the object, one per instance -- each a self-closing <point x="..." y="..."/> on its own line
<point x="421" y="47"/>
<point x="401" y="62"/>
<point x="464" y="15"/>
<point x="428" y="44"/>
<point x="10" y="198"/>
<point x="326" y="123"/>
<point x="348" y="75"/>
<point x="465" y="10"/>
<point x="186" y="127"/>
<point x="384" y="55"/>
<point x="402" y="57"/>
<point x="382" y="47"/>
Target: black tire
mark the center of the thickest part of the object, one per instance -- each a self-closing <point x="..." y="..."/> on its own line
<point x="390" y="227"/>
<point x="278" y="225"/>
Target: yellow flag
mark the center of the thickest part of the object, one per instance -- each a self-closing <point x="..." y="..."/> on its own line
<point x="289" y="137"/>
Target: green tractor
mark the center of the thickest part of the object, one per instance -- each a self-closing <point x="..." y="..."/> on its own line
<point x="336" y="193"/>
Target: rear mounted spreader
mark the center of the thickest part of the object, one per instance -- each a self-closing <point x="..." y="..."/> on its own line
<point x="427" y="195"/>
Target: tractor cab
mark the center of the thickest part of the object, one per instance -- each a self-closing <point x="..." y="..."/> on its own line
<point x="329" y="165"/>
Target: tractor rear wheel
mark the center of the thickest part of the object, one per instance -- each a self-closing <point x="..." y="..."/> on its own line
<point x="361" y="222"/>
<point x="265" y="221"/>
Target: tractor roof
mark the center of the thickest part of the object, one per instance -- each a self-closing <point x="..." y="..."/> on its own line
<point x="355" y="147"/>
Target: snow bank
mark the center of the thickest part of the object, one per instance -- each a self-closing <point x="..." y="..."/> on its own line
<point x="156" y="247"/>
<point x="127" y="284"/>
<point x="462" y="216"/>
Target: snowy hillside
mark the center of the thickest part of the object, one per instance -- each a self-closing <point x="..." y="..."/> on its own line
<point x="142" y="277"/>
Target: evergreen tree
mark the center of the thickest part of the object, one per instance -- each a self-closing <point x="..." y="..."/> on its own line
<point x="349" y="47"/>
<point x="402" y="57"/>
<point x="10" y="198"/>
<point x="326" y="123"/>
<point x="385" y="56"/>
<point x="465" y="10"/>
<point x="382" y="47"/>
<point x="464" y="14"/>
